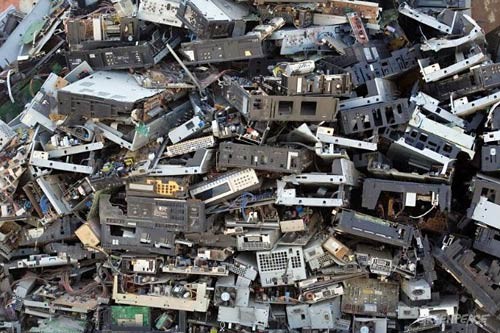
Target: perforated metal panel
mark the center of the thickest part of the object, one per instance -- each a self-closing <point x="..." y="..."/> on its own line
<point x="281" y="266"/>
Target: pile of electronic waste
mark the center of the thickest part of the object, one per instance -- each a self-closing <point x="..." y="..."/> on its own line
<point x="236" y="166"/>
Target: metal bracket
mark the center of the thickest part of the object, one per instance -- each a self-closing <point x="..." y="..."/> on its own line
<point x="325" y="134"/>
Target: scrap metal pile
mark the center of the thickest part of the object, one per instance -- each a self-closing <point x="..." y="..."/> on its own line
<point x="236" y="166"/>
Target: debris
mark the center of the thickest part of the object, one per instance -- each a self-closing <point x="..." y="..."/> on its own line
<point x="236" y="166"/>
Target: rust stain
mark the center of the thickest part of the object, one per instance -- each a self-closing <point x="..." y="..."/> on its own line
<point x="486" y="13"/>
<point x="6" y="3"/>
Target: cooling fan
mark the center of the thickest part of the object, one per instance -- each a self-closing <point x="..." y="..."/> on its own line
<point x="224" y="296"/>
<point x="365" y="327"/>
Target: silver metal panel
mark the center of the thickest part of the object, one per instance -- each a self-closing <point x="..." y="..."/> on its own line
<point x="433" y="72"/>
<point x="349" y="176"/>
<point x="46" y="183"/>
<point x="288" y="197"/>
<point x="491" y="136"/>
<point x="75" y="150"/>
<point x="326" y="315"/>
<point x="437" y="44"/>
<point x="190" y="146"/>
<point x="281" y="266"/>
<point x="425" y="153"/>
<point x="44" y="163"/>
<point x="298" y="316"/>
<point x="159" y="11"/>
<point x="462" y="107"/>
<point x="325" y="134"/>
<point x="230" y="183"/>
<point x="183" y="131"/>
<point x="451" y="134"/>
<point x="111" y="134"/>
<point x="300" y="40"/>
<point x="417" y="15"/>
<point x="487" y="212"/>
<point x="256" y="315"/>
<point x="431" y="104"/>
<point x="112" y="85"/>
<point x="6" y="134"/>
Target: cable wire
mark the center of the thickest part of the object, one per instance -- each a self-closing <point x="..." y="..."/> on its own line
<point x="9" y="88"/>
